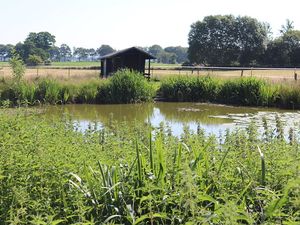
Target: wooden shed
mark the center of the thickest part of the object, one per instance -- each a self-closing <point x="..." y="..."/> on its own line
<point x="130" y="58"/>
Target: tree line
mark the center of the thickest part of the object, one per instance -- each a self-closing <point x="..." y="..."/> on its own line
<point x="242" y="41"/>
<point x="220" y="40"/>
<point x="39" y="48"/>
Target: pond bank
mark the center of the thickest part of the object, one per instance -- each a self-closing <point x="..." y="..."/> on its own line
<point x="129" y="87"/>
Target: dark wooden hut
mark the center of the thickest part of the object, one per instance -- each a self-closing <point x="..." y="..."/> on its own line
<point x="130" y="58"/>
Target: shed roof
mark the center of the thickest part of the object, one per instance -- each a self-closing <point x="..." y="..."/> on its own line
<point x="128" y="50"/>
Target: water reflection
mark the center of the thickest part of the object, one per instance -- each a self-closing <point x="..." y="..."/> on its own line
<point x="213" y="118"/>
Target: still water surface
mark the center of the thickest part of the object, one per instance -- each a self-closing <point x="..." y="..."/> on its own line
<point x="214" y="119"/>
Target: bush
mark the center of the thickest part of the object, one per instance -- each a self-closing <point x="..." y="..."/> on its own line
<point x="34" y="60"/>
<point x="126" y="86"/>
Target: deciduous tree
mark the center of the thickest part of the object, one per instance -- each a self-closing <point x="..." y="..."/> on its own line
<point x="226" y="40"/>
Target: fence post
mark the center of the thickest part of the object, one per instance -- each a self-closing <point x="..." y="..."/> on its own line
<point x="69" y="72"/>
<point x="242" y="73"/>
<point x="295" y="75"/>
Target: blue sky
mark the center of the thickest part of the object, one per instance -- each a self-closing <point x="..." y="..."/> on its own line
<point x="124" y="23"/>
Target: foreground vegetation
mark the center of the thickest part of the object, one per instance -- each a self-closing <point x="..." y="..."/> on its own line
<point x="243" y="91"/>
<point x="123" y="174"/>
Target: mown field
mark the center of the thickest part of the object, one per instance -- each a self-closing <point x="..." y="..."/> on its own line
<point x="50" y="173"/>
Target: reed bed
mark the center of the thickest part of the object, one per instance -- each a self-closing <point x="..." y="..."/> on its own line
<point x="248" y="91"/>
<point x="124" y="87"/>
<point x="136" y="174"/>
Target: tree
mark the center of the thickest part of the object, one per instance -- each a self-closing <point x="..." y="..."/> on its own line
<point x="92" y="54"/>
<point x="104" y="50"/>
<point x="155" y="50"/>
<point x="226" y="40"/>
<point x="55" y="54"/>
<point x="180" y="53"/>
<point x="5" y="52"/>
<point x="81" y="53"/>
<point x="39" y="44"/>
<point x="289" y="26"/>
<point x="17" y="66"/>
<point x="34" y="60"/>
<point x="284" y="50"/>
<point x="65" y="52"/>
<point x="43" y="40"/>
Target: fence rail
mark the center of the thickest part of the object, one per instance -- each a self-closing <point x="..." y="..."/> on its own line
<point x="160" y="71"/>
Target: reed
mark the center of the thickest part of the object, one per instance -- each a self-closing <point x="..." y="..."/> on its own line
<point x="248" y="91"/>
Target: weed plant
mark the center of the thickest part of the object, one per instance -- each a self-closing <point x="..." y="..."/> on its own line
<point x="135" y="174"/>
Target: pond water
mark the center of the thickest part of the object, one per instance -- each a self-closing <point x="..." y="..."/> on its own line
<point x="214" y="119"/>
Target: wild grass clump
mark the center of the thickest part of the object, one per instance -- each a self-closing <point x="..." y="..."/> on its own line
<point x="289" y="97"/>
<point x="245" y="91"/>
<point x="132" y="174"/>
<point x="48" y="91"/>
<point x="126" y="86"/>
<point x="123" y="87"/>
<point x="88" y="92"/>
<point x="18" y="93"/>
<point x="183" y="88"/>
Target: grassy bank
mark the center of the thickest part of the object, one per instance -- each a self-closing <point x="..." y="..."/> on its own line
<point x="123" y="87"/>
<point x="130" y="87"/>
<point x="243" y="91"/>
<point x="51" y="174"/>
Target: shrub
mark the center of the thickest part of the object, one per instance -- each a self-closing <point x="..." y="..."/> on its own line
<point x="34" y="60"/>
<point x="127" y="86"/>
<point x="17" y="66"/>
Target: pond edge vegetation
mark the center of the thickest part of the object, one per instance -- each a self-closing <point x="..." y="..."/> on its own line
<point x="127" y="86"/>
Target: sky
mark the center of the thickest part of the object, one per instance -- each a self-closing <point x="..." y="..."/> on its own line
<point x="126" y="23"/>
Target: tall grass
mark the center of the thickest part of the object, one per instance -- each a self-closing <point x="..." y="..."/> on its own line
<point x="124" y="87"/>
<point x="244" y="91"/>
<point x="51" y="174"/>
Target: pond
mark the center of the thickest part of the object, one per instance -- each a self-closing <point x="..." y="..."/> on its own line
<point x="214" y="119"/>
